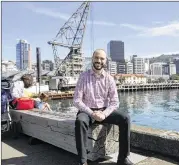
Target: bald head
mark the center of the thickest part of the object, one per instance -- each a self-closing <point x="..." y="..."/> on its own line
<point x="99" y="59"/>
<point x="99" y="51"/>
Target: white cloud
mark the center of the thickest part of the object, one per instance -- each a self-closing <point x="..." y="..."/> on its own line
<point x="171" y="29"/>
<point x="133" y="27"/>
<point x="48" y="12"/>
<point x="63" y="16"/>
<point x="101" y="23"/>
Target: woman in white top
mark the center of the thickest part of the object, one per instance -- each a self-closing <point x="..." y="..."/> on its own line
<point x="17" y="90"/>
<point x="18" y="87"/>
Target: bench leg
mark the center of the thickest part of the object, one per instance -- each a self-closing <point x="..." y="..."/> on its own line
<point x="16" y="129"/>
<point x="34" y="141"/>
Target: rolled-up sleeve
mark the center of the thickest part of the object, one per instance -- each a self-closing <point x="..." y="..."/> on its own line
<point x="113" y="96"/>
<point x="78" y="96"/>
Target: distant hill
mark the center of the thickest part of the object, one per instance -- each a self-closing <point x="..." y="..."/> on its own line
<point x="164" y="58"/>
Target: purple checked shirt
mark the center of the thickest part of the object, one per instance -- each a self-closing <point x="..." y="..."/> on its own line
<point x="96" y="92"/>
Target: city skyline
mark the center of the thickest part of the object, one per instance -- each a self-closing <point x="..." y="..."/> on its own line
<point x="139" y="29"/>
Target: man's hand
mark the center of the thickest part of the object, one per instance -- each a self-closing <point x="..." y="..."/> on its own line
<point x="98" y="115"/>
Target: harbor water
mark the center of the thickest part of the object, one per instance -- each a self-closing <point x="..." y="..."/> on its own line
<point x="155" y="108"/>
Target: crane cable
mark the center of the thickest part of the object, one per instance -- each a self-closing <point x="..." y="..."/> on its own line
<point x="91" y="29"/>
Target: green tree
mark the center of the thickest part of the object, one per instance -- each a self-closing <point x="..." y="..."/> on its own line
<point x="174" y="77"/>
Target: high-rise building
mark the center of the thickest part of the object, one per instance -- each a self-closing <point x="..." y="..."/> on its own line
<point x="172" y="68"/>
<point x="115" y="49"/>
<point x="176" y="62"/>
<point x="129" y="68"/>
<point x="121" y="67"/>
<point x="23" y="55"/>
<point x="169" y="68"/>
<point x="112" y="67"/>
<point x="165" y="69"/>
<point x="146" y="66"/>
<point x="156" y="68"/>
<point x="138" y="65"/>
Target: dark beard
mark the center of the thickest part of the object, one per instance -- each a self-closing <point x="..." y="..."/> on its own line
<point x="102" y="66"/>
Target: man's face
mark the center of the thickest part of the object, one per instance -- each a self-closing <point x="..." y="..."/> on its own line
<point x="99" y="60"/>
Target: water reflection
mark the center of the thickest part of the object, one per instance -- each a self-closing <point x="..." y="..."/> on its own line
<point x="157" y="109"/>
<point x="61" y="105"/>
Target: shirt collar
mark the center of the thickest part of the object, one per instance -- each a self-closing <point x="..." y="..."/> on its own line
<point x="93" y="73"/>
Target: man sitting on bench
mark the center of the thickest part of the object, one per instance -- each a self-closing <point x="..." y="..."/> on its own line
<point x="97" y="99"/>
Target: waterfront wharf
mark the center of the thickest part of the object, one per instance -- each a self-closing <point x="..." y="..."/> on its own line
<point x="149" y="86"/>
<point x="58" y="129"/>
<point x="64" y="95"/>
<point x="121" y="88"/>
<point x="58" y="95"/>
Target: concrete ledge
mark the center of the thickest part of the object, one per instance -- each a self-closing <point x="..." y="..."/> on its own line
<point x="59" y="129"/>
<point x="161" y="141"/>
<point x="142" y="137"/>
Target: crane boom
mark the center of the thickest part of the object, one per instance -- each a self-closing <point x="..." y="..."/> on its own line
<point x="71" y="36"/>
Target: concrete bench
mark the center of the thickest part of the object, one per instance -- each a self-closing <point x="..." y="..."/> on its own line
<point x="58" y="128"/>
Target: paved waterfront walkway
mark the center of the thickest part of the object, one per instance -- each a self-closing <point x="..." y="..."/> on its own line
<point x="19" y="152"/>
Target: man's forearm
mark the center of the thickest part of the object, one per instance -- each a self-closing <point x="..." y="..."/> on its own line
<point x="82" y="107"/>
<point x="110" y="109"/>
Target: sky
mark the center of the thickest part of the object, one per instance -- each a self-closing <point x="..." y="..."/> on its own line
<point x="147" y="29"/>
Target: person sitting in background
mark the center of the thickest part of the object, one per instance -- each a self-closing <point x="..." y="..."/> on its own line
<point x="41" y="102"/>
<point x="18" y="88"/>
